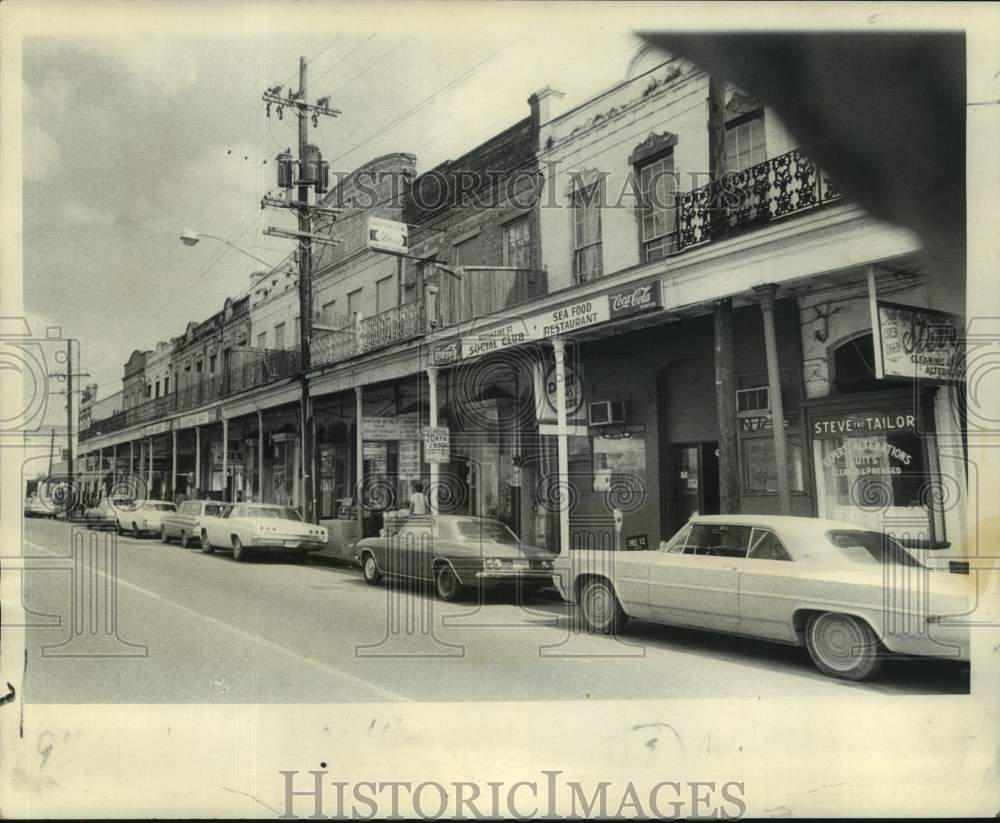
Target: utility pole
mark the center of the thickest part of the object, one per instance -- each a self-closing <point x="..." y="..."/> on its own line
<point x="68" y="376"/>
<point x="313" y="172"/>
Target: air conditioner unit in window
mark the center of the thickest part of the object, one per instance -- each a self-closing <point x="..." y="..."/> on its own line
<point x="606" y="413"/>
<point x="755" y="402"/>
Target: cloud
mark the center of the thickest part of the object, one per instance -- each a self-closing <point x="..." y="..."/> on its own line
<point x="41" y="154"/>
<point x="80" y="214"/>
<point x="156" y="64"/>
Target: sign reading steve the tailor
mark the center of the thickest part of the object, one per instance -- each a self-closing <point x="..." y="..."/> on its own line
<point x="920" y="344"/>
<point x="635" y="299"/>
<point x="857" y="424"/>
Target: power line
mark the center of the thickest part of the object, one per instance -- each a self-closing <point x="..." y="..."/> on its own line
<point x="342" y="59"/>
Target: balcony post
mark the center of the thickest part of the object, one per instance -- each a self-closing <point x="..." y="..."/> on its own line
<point x="359" y="458"/>
<point x="173" y="464"/>
<point x="766" y="295"/>
<point x="225" y="459"/>
<point x="149" y="478"/>
<point x="430" y="307"/>
<point x="114" y="468"/>
<point x="259" y="491"/>
<point x="562" y="445"/>
<point x="725" y="402"/>
<point x="197" y="461"/>
<point x="131" y="459"/>
<point x="435" y="468"/>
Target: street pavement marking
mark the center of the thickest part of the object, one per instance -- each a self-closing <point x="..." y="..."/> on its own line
<point x="255" y="638"/>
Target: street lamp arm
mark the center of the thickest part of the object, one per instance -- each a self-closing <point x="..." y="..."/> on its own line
<point x="191" y="238"/>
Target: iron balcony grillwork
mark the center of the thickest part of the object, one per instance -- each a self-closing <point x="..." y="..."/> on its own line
<point x="782" y="186"/>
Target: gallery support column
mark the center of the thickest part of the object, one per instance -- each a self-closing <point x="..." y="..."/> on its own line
<point x="197" y="461"/>
<point x="260" y="457"/>
<point x="725" y="403"/>
<point x="766" y="295"/>
<point x="114" y="467"/>
<point x="432" y="419"/>
<point x="359" y="458"/>
<point x="225" y="460"/>
<point x="149" y="477"/>
<point x="562" y="445"/>
<point x="173" y="464"/>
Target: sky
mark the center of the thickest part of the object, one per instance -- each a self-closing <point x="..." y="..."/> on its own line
<point x="140" y="130"/>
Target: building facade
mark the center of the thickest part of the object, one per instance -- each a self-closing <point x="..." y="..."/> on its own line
<point x="617" y="313"/>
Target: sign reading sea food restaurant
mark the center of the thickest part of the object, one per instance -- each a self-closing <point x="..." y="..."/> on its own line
<point x="635" y="299"/>
<point x="920" y="344"/>
<point x="437" y="444"/>
<point x="388" y="236"/>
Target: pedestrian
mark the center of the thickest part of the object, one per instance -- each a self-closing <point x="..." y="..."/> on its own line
<point x="418" y="502"/>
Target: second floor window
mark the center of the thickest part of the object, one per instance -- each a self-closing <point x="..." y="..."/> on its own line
<point x="211" y="363"/>
<point x="262" y="340"/>
<point x="166" y="385"/>
<point x="745" y="142"/>
<point x="587" y="247"/>
<point x="279" y="336"/>
<point x="329" y="315"/>
<point x="385" y="293"/>
<point x="658" y="190"/>
<point x="157" y="388"/>
<point x="517" y="243"/>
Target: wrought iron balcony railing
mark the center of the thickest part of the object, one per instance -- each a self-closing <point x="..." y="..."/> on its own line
<point x="370" y="333"/>
<point x="779" y="187"/>
<point x="259" y="369"/>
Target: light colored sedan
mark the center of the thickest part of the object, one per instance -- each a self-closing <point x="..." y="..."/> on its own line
<point x="454" y="552"/>
<point x="849" y="595"/>
<point x="246" y="527"/>
<point x="142" y="517"/>
<point x="183" y="524"/>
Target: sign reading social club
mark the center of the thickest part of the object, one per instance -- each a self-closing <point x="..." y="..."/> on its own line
<point x="562" y="319"/>
<point x="920" y="344"/>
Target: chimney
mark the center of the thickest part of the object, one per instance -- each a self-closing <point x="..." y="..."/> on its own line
<point x="542" y="104"/>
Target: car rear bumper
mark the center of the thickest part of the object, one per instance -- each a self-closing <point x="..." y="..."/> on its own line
<point x="289" y="544"/>
<point x="495" y="577"/>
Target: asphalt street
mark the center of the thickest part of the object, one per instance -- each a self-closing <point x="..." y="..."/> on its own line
<point x="173" y="625"/>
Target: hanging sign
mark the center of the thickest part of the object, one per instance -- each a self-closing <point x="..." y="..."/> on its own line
<point x="388" y="236"/>
<point x="409" y="458"/>
<point x="920" y="344"/>
<point x="437" y="444"/>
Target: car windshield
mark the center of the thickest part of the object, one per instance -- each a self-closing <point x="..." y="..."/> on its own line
<point x="871" y="546"/>
<point x="485" y="530"/>
<point x="161" y="507"/>
<point x="273" y="512"/>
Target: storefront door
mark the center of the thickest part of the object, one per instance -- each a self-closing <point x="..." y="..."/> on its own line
<point x="696" y="480"/>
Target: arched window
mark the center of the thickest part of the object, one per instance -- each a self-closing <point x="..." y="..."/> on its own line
<point x="854" y="366"/>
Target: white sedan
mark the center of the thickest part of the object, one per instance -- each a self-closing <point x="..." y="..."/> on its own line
<point x="142" y="516"/>
<point x="849" y="595"/>
<point x="246" y="527"/>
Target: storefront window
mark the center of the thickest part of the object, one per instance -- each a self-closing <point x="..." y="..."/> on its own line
<point x="760" y="473"/>
<point x="619" y="464"/>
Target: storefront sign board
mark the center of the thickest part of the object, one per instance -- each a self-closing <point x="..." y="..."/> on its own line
<point x="409" y="458"/>
<point x="437" y="444"/>
<point x="920" y="344"/>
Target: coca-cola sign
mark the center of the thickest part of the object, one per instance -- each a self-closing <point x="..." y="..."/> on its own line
<point x="635" y="299"/>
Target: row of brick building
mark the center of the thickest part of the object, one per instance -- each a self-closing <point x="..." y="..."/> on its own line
<point x="608" y="305"/>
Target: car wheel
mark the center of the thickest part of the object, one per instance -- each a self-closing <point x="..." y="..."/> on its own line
<point x="843" y="646"/>
<point x="239" y="552"/>
<point x="135" y="530"/>
<point x="163" y="535"/>
<point x="118" y="528"/>
<point x="184" y="539"/>
<point x="602" y="613"/>
<point x="446" y="583"/>
<point x="206" y="547"/>
<point x="371" y="571"/>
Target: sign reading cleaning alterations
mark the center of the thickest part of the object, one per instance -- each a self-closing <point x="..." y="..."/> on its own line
<point x="920" y="344"/>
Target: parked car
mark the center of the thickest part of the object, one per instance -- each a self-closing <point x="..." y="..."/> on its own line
<point x="454" y="552"/>
<point x="34" y="506"/>
<point x="182" y="524"/>
<point x="247" y="527"/>
<point x="105" y="512"/>
<point x="142" y="516"/>
<point x="849" y="595"/>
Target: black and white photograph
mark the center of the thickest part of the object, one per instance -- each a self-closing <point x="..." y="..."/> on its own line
<point x="500" y="410"/>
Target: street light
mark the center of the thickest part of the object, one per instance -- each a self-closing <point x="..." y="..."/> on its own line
<point x="190" y="238"/>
